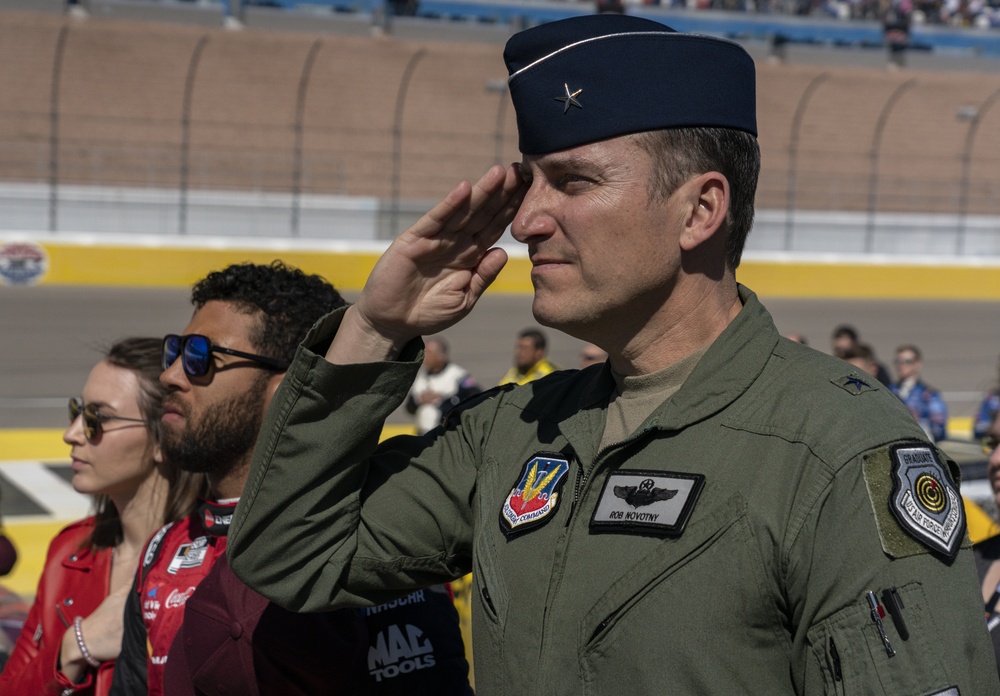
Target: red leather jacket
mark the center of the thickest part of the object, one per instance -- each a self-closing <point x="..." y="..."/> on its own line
<point x="74" y="582"/>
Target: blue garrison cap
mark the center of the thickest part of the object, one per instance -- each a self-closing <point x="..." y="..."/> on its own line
<point x="593" y="77"/>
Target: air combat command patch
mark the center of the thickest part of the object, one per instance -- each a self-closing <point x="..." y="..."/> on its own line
<point x="914" y="499"/>
<point x="535" y="496"/>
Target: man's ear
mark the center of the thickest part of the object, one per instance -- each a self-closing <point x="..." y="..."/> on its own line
<point x="708" y="194"/>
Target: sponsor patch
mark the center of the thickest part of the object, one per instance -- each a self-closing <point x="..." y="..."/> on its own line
<point x="647" y="501"/>
<point x="924" y="501"/>
<point x="189" y="555"/>
<point x="150" y="605"/>
<point x="953" y="691"/>
<point x="22" y="263"/>
<point x="399" y="650"/>
<point x="178" y="598"/>
<point x="535" y="496"/>
<point x="216" y="517"/>
<point x="412" y="598"/>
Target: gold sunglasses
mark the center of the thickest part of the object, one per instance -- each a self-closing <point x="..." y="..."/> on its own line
<point x="94" y="420"/>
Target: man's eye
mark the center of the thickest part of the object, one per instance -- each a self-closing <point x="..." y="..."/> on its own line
<point x="571" y="181"/>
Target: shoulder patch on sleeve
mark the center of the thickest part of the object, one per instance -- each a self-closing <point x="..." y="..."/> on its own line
<point x="916" y="505"/>
<point x="856" y="383"/>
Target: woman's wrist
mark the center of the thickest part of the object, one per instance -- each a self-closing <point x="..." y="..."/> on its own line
<point x="82" y="645"/>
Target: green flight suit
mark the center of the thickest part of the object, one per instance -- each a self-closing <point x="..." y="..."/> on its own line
<point x="762" y="592"/>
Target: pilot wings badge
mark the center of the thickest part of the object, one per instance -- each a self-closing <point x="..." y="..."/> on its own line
<point x="646" y="502"/>
<point x="535" y="496"/>
<point x="646" y="493"/>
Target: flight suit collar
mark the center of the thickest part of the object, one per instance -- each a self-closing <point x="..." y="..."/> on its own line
<point x="731" y="364"/>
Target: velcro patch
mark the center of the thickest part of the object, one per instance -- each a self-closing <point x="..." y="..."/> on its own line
<point x="915" y="503"/>
<point x="535" y="496"/>
<point x="924" y="501"/>
<point x="647" y="501"/>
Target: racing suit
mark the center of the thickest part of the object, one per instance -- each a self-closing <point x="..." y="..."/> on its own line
<point x="208" y="633"/>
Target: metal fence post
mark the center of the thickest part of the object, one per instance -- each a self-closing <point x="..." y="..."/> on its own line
<point x="300" y="108"/>
<point x="963" y="192"/>
<point x="793" y="153"/>
<point x="883" y="117"/>
<point x="186" y="133"/>
<point x="397" y="137"/>
<point x="54" y="129"/>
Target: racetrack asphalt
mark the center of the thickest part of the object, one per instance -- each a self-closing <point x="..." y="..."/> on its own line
<point x="52" y="336"/>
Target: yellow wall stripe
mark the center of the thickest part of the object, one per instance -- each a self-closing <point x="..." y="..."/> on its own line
<point x="156" y="262"/>
<point x="34" y="444"/>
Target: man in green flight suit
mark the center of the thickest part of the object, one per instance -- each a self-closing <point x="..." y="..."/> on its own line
<point x="716" y="510"/>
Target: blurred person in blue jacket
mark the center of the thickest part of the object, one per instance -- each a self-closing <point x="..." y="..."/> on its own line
<point x="925" y="402"/>
<point x="988" y="410"/>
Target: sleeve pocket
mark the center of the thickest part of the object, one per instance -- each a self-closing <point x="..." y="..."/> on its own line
<point x="849" y="657"/>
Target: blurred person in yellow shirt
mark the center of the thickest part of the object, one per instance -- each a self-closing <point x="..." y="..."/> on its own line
<point x="530" y="361"/>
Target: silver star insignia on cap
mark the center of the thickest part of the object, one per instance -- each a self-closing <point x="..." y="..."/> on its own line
<point x="570" y="99"/>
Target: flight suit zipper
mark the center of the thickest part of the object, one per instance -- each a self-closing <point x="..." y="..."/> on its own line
<point x="562" y="550"/>
<point x="582" y="477"/>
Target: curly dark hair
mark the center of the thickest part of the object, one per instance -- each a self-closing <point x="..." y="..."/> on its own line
<point x="287" y="301"/>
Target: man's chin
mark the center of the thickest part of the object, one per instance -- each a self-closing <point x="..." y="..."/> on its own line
<point x="559" y="316"/>
<point x="546" y="311"/>
<point x="175" y="453"/>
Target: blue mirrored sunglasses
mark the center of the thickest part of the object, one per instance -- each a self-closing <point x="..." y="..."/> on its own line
<point x="195" y="352"/>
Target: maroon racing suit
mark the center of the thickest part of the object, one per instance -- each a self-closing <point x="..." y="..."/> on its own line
<point x="218" y="636"/>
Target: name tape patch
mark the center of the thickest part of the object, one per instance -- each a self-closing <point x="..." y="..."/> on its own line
<point x="924" y="501"/>
<point x="647" y="501"/>
<point x="535" y="496"/>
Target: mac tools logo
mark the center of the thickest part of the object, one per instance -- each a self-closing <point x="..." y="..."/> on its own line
<point x="399" y="651"/>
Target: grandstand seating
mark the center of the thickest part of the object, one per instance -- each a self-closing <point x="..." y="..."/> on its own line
<point x="121" y="100"/>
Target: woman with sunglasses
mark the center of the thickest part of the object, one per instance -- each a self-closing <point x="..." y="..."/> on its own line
<point x="73" y="633"/>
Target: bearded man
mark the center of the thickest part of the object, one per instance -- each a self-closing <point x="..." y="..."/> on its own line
<point x="191" y="627"/>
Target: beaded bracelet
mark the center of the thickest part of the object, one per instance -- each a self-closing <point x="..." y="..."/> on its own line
<point x="83" y="646"/>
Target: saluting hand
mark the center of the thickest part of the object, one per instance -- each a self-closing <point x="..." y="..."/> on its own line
<point x="433" y="273"/>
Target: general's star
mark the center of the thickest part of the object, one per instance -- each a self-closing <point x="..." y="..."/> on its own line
<point x="570" y="99"/>
<point x="856" y="382"/>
